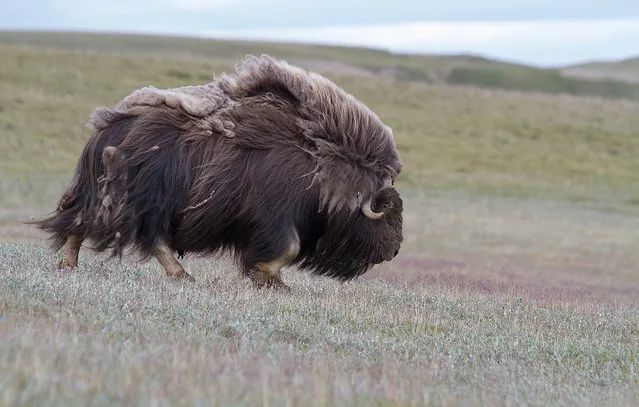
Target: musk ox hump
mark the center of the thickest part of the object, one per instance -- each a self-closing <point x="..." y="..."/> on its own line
<point x="353" y="150"/>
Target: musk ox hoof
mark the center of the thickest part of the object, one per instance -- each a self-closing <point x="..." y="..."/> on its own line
<point x="278" y="285"/>
<point x="261" y="280"/>
<point x="66" y="265"/>
<point x="183" y="276"/>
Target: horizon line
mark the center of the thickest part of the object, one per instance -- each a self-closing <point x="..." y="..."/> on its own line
<point x="311" y="43"/>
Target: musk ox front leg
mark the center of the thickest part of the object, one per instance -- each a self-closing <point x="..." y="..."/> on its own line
<point x="267" y="273"/>
<point x="169" y="263"/>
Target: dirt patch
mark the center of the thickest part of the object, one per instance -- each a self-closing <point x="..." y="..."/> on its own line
<point x="601" y="74"/>
<point x="512" y="277"/>
<point x="337" y="67"/>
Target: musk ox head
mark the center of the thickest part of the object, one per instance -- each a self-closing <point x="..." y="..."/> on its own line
<point x="382" y="223"/>
<point x="353" y="242"/>
<point x="387" y="208"/>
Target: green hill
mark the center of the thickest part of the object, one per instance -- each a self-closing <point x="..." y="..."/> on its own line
<point x="489" y="141"/>
<point x="435" y="69"/>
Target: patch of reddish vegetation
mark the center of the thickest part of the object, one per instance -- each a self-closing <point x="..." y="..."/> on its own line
<point x="505" y="277"/>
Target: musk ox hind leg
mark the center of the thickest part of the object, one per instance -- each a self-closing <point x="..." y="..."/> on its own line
<point x="164" y="254"/>
<point x="71" y="252"/>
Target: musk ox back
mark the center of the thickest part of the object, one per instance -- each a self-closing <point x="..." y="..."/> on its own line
<point x="272" y="164"/>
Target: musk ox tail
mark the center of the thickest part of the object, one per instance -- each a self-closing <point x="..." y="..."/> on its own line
<point x="73" y="214"/>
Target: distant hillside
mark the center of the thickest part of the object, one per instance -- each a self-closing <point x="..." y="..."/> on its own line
<point x="625" y="70"/>
<point x="459" y="138"/>
<point x="455" y="70"/>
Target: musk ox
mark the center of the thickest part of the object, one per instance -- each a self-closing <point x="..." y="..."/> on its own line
<point x="274" y="165"/>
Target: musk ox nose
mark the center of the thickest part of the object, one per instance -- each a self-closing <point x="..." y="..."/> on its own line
<point x="388" y="256"/>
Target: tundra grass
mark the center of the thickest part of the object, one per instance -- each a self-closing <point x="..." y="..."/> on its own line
<point x="491" y="302"/>
<point x="414" y="332"/>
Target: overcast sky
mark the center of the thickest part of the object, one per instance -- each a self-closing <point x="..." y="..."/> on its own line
<point x="538" y="32"/>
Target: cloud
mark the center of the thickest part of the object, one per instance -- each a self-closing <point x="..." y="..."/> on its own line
<point x="542" y="42"/>
<point x="204" y="5"/>
<point x="320" y="12"/>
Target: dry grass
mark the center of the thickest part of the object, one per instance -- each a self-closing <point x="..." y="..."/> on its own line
<point x="517" y="283"/>
<point x="548" y="251"/>
<point x="121" y="333"/>
<point x="486" y="305"/>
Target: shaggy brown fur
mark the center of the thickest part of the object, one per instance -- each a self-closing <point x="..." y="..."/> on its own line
<point x="276" y="165"/>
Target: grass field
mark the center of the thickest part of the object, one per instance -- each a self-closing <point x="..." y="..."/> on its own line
<point x="518" y="282"/>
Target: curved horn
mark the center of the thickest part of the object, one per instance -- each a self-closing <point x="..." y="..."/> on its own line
<point x="366" y="209"/>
